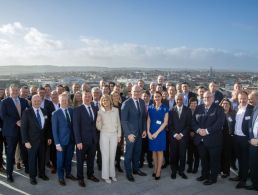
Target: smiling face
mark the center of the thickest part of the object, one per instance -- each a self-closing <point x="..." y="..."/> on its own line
<point x="157" y="98"/>
<point x="207" y="98"/>
<point x="36" y="101"/>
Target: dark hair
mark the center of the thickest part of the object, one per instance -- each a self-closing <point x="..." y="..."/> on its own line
<point x="41" y="88"/>
<point x="230" y="105"/>
<point x="193" y="99"/>
<point x="243" y="93"/>
<point x="146" y="92"/>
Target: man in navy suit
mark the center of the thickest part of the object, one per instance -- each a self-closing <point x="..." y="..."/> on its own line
<point x="84" y="127"/>
<point x="34" y="126"/>
<point x="207" y="122"/>
<point x="218" y="96"/>
<point x="253" y="148"/>
<point x="179" y="124"/>
<point x="241" y="134"/>
<point x="62" y="130"/>
<point x="11" y="112"/>
<point x="134" y="125"/>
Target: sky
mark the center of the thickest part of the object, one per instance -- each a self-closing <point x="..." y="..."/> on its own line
<point x="130" y="33"/>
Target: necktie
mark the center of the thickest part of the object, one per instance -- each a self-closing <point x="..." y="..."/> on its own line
<point x="38" y="118"/>
<point x="18" y="106"/>
<point x="91" y="115"/>
<point x="179" y="112"/>
<point x="138" y="107"/>
<point x="67" y="118"/>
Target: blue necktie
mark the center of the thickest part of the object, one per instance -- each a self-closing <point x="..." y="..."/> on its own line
<point x="138" y="107"/>
<point x="91" y="116"/>
<point x="67" y="118"/>
<point x="38" y="118"/>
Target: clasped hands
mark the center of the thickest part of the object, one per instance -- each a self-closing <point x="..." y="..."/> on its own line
<point x="132" y="137"/>
<point x="153" y="136"/>
<point x="202" y="132"/>
<point x="254" y="142"/>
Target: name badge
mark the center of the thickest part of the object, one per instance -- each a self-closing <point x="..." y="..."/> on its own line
<point x="230" y="119"/>
<point x="158" y="122"/>
<point x="247" y="118"/>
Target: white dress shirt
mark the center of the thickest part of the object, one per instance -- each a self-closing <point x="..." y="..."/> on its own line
<point x="239" y="120"/>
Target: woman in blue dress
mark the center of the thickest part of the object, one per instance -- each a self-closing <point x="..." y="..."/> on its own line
<point x="156" y="123"/>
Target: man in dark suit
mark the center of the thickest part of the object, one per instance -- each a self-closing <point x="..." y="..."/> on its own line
<point x="134" y="125"/>
<point x="253" y="148"/>
<point x="218" y="96"/>
<point x="241" y="135"/>
<point x="179" y="125"/>
<point x="49" y="107"/>
<point x="187" y="93"/>
<point x="62" y="129"/>
<point x="34" y="129"/>
<point x="1" y="140"/>
<point x="145" y="143"/>
<point x="207" y="122"/>
<point x="11" y="112"/>
<point x="84" y="127"/>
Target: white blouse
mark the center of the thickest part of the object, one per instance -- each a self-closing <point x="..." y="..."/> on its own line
<point x="109" y="121"/>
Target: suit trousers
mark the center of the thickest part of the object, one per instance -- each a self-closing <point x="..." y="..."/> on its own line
<point x="90" y="151"/>
<point x="2" y="144"/>
<point x="254" y="165"/>
<point x="192" y="155"/>
<point x="64" y="160"/>
<point x="108" y="144"/>
<point x="226" y="153"/>
<point x="37" y="158"/>
<point x="177" y="155"/>
<point x="210" y="160"/>
<point x="21" y="153"/>
<point x="133" y="154"/>
<point x="11" y="147"/>
<point x="242" y="151"/>
<point x="145" y="150"/>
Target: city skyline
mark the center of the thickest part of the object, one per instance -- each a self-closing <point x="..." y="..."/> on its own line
<point x="145" y="34"/>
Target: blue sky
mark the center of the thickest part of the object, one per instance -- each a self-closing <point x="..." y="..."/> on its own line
<point x="146" y="33"/>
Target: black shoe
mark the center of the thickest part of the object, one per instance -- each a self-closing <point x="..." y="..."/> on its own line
<point x="157" y="178"/>
<point x="43" y="177"/>
<point x="189" y="170"/>
<point x="82" y="183"/>
<point x="201" y="178"/>
<point x="251" y="187"/>
<point x="71" y="177"/>
<point x="183" y="175"/>
<point x="234" y="178"/>
<point x="153" y="174"/>
<point x="130" y="178"/>
<point x="93" y="178"/>
<point x="173" y="176"/>
<point x="150" y="165"/>
<point x="119" y="169"/>
<point x="241" y="184"/>
<point x="224" y="175"/>
<point x="209" y="182"/>
<point x="139" y="173"/>
<point x="10" y="179"/>
<point x="61" y="182"/>
<point x="33" y="181"/>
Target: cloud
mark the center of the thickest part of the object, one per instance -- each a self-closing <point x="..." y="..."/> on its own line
<point x="29" y="46"/>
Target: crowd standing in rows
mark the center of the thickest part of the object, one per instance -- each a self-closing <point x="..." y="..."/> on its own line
<point x="167" y="123"/>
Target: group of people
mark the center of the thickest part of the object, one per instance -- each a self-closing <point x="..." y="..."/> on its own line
<point x="167" y="123"/>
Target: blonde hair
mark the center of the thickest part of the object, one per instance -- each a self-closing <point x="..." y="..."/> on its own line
<point x="105" y="97"/>
<point x="115" y="92"/>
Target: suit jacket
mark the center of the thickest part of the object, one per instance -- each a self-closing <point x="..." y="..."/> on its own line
<point x="131" y="122"/>
<point x="10" y="116"/>
<point x="61" y="130"/>
<point x="229" y="123"/>
<point x="213" y="121"/>
<point x="179" y="125"/>
<point x="218" y="96"/>
<point x="1" y="121"/>
<point x="247" y="119"/>
<point x="251" y="124"/>
<point x="190" y="95"/>
<point x="84" y="127"/>
<point x="30" y="128"/>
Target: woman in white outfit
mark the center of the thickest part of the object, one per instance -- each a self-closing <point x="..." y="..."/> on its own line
<point x="108" y="122"/>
